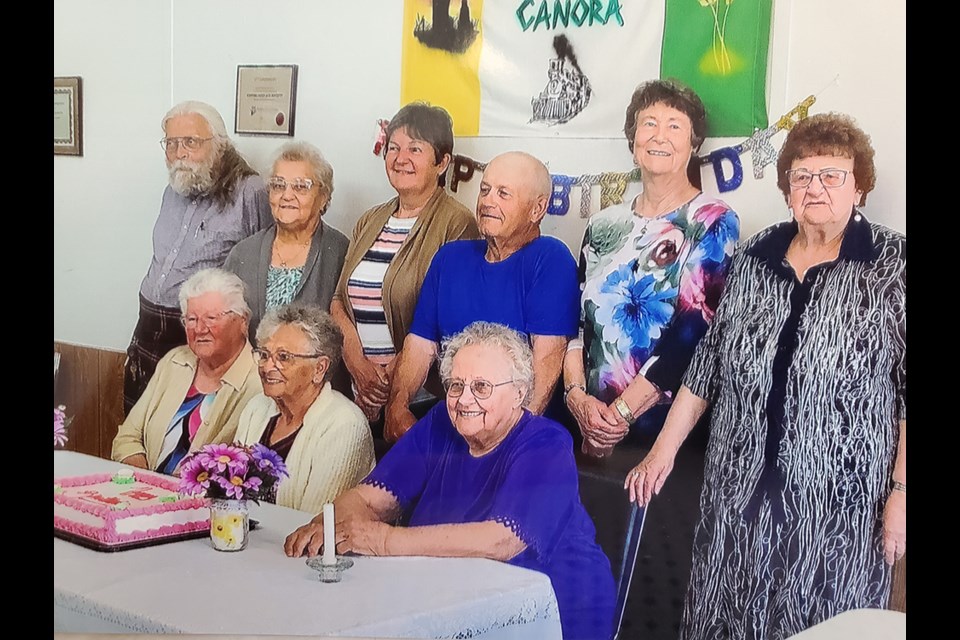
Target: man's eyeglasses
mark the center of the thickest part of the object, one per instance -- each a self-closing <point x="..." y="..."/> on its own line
<point x="300" y="186"/>
<point x="280" y="358"/>
<point x="829" y="178"/>
<point x="480" y="388"/>
<point x="209" y="320"/>
<point x="190" y="143"/>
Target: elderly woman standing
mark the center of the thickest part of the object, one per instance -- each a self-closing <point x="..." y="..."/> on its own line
<point x="805" y="493"/>
<point x="391" y="250"/>
<point x="299" y="258"/>
<point x="198" y="391"/>
<point x="322" y="437"/>
<point x="651" y="273"/>
<point x="482" y="477"/>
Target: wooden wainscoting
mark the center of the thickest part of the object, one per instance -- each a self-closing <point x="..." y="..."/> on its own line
<point x="90" y="385"/>
<point x="898" y="591"/>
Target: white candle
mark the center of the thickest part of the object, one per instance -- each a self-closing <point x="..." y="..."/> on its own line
<point x="329" y="536"/>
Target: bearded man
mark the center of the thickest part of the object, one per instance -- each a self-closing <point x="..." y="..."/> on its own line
<point x="214" y="200"/>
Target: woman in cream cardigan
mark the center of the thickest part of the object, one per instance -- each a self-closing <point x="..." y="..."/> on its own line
<point x="322" y="436"/>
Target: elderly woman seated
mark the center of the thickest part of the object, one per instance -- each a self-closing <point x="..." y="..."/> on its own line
<point x="198" y="391"/>
<point x="482" y="477"/>
<point x="322" y="436"/>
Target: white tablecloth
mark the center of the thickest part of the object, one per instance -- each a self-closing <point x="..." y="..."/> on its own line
<point x="875" y="624"/>
<point x="188" y="587"/>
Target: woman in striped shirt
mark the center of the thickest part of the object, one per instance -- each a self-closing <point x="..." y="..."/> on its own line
<point x="391" y="249"/>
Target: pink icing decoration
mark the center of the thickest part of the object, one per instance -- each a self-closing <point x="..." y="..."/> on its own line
<point x="107" y="533"/>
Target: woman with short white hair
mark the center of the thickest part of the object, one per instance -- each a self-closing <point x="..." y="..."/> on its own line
<point x="480" y="476"/>
<point x="299" y="258"/>
<point x="197" y="392"/>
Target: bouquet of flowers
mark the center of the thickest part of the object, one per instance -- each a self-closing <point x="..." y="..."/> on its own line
<point x="60" y="424"/>
<point x="232" y="471"/>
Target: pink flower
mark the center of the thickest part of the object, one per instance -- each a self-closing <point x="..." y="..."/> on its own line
<point x="709" y="213"/>
<point x="194" y="477"/>
<point x="223" y="457"/>
<point x="234" y="486"/>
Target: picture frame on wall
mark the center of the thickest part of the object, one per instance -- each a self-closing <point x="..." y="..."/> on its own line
<point x="266" y="99"/>
<point x="68" y="116"/>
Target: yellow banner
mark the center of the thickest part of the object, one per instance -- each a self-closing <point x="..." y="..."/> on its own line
<point x="440" y="60"/>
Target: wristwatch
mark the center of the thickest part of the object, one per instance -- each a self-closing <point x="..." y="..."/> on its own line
<point x="899" y="486"/>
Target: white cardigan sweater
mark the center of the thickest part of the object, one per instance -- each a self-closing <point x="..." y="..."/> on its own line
<point x="332" y="452"/>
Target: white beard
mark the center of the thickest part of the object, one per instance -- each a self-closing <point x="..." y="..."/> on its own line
<point x="190" y="178"/>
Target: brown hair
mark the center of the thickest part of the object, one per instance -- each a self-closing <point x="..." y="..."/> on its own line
<point x="425" y="122"/>
<point x="676" y="96"/>
<point x="829" y="134"/>
<point x="229" y="169"/>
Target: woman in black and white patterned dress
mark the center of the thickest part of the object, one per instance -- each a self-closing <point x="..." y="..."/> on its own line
<point x="804" y="499"/>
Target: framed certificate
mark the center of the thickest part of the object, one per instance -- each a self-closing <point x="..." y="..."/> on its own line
<point x="266" y="99"/>
<point x="67" y="116"/>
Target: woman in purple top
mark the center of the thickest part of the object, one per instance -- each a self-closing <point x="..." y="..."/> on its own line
<point x="482" y="477"/>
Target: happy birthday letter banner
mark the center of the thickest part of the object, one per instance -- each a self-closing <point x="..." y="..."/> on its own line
<point x="567" y="68"/>
<point x="613" y="185"/>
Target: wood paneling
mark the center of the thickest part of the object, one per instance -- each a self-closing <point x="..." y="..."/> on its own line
<point x="898" y="591"/>
<point x="111" y="397"/>
<point x="90" y="385"/>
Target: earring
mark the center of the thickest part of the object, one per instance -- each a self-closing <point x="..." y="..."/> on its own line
<point x="789" y="213"/>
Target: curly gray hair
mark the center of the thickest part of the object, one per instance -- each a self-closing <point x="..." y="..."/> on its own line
<point x="490" y="334"/>
<point x="322" y="332"/>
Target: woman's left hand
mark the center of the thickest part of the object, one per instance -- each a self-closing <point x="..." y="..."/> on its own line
<point x="364" y="536"/>
<point x="895" y="527"/>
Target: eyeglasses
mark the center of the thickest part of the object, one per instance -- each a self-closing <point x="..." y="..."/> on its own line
<point x="281" y="358"/>
<point x="300" y="186"/>
<point x="829" y="178"/>
<point x="190" y="143"/>
<point x="209" y="320"/>
<point x="480" y="388"/>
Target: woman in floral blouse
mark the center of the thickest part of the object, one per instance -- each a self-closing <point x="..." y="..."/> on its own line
<point x="652" y="271"/>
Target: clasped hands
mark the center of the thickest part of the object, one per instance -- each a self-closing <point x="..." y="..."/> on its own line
<point x="602" y="425"/>
<point x="372" y="382"/>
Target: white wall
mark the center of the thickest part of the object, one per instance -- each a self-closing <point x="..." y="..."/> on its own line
<point x="105" y="202"/>
<point x="139" y="58"/>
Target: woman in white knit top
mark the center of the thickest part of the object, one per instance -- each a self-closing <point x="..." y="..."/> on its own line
<point x="322" y="436"/>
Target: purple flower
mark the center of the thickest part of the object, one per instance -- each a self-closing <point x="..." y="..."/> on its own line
<point x="235" y="486"/>
<point x="194" y="477"/>
<point x="269" y="461"/>
<point x="223" y="457"/>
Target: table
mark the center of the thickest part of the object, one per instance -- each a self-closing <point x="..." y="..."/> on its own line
<point x="188" y="587"/>
<point x="876" y="624"/>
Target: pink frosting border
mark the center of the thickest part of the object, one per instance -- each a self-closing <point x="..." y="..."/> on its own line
<point x="108" y="532"/>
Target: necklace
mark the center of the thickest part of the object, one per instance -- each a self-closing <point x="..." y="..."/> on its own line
<point x="299" y="251"/>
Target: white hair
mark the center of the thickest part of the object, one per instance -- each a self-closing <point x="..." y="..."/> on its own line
<point x="209" y="114"/>
<point x="227" y="284"/>
<point x="490" y="334"/>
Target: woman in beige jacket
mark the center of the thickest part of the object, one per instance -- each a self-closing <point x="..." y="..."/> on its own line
<point x="198" y="391"/>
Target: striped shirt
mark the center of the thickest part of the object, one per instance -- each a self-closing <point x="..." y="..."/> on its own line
<point x="365" y="288"/>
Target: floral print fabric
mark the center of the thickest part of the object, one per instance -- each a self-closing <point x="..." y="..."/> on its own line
<point x="650" y="287"/>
